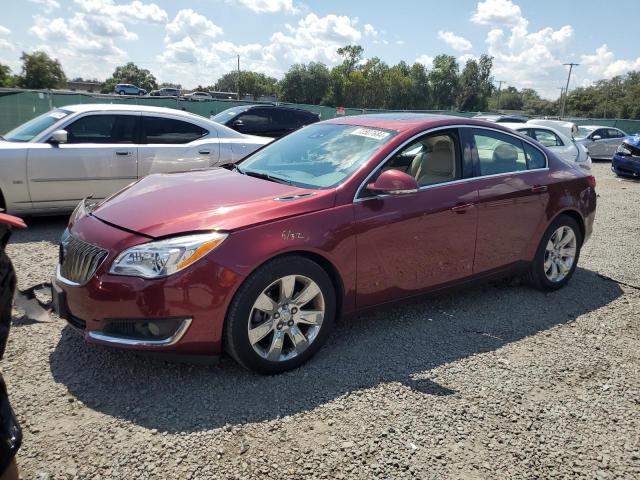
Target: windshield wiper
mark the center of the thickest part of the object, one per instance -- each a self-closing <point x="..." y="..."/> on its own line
<point x="232" y="166"/>
<point x="266" y="176"/>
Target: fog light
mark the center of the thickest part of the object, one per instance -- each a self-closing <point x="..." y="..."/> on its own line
<point x="154" y="329"/>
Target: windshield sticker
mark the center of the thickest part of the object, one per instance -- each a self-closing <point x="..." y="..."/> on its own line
<point x="370" y="133"/>
<point x="58" y="115"/>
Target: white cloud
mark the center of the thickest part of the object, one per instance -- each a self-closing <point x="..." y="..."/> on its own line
<point x="4" y="30"/>
<point x="602" y="64"/>
<point x="400" y="42"/>
<point x="269" y="6"/>
<point x="47" y="5"/>
<point x="456" y="42"/>
<point x="426" y="60"/>
<point x="370" y="30"/>
<point x="188" y="23"/>
<point x="126" y="12"/>
<point x="497" y="12"/>
<point x="312" y="39"/>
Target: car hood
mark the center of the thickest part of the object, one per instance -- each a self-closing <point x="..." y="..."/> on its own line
<point x="167" y="204"/>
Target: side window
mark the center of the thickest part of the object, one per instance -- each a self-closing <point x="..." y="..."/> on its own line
<point x="535" y="158"/>
<point x="432" y="159"/>
<point x="284" y="119"/>
<point x="103" y="129"/>
<point x="601" y="132"/>
<point x="548" y="138"/>
<point x="614" y="133"/>
<point x="169" y="131"/>
<point x="498" y="152"/>
<point x="256" y="119"/>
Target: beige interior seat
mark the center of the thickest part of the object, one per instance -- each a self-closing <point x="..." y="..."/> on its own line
<point x="504" y="159"/>
<point x="436" y="166"/>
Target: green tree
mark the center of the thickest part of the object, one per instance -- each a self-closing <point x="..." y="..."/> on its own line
<point x="6" y="79"/>
<point x="351" y="54"/>
<point x="39" y="70"/>
<point x="130" y="73"/>
<point x="305" y="83"/>
<point x="470" y="91"/>
<point x="444" y="82"/>
<point x="251" y="83"/>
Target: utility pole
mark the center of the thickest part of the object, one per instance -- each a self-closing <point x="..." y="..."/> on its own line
<point x="566" y="90"/>
<point x="500" y="82"/>
<point x="560" y="99"/>
<point x="238" y="80"/>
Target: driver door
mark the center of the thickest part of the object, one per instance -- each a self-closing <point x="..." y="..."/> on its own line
<point x="412" y="242"/>
<point x="598" y="147"/>
<point x="99" y="158"/>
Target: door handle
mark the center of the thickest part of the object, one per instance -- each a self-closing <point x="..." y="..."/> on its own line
<point x="204" y="152"/>
<point x="462" y="208"/>
<point x="122" y="154"/>
<point x="539" y="188"/>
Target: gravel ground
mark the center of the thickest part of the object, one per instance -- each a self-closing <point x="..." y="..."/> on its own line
<point x="497" y="381"/>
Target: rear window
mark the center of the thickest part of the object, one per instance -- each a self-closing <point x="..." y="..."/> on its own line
<point x="169" y="131"/>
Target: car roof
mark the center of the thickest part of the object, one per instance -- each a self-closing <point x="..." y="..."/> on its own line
<point x="120" y="107"/>
<point x="402" y="122"/>
<point x="521" y="126"/>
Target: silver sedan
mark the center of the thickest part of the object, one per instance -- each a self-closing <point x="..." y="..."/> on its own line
<point x="601" y="142"/>
<point x="50" y="163"/>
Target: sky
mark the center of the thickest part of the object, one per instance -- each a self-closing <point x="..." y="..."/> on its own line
<point x="193" y="42"/>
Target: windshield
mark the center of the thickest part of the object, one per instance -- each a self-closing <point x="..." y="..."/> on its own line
<point x="583" y="132"/>
<point x="318" y="156"/>
<point x="226" y="115"/>
<point x="28" y="131"/>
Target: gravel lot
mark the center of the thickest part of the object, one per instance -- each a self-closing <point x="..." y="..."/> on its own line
<point x="498" y="381"/>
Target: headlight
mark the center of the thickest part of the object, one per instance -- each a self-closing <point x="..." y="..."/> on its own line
<point x="165" y="257"/>
<point x="624" y="150"/>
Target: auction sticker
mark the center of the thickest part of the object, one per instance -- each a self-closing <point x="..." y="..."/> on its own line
<point x="370" y="133"/>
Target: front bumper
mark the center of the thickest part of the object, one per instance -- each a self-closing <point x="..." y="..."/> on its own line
<point x="194" y="300"/>
<point x="625" y="166"/>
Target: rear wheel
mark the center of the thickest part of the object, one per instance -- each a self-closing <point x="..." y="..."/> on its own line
<point x="281" y="315"/>
<point x="557" y="255"/>
<point x="121" y="92"/>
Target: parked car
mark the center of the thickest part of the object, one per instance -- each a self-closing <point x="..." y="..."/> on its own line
<point x="198" y="96"/>
<point x="556" y="141"/>
<point x="265" y="120"/>
<point x="53" y="161"/>
<point x="626" y="160"/>
<point x="128" y="89"/>
<point x="487" y="117"/>
<point x="601" y="142"/>
<point x="169" y="92"/>
<point x="339" y="216"/>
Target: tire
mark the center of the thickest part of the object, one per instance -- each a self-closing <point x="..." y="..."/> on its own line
<point x="121" y="92"/>
<point x="140" y="94"/>
<point x="541" y="271"/>
<point x="284" y="323"/>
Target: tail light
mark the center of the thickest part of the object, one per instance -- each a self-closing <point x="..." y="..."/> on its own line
<point x="592" y="181"/>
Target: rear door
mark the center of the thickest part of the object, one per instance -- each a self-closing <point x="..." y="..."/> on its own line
<point x="99" y="159"/>
<point x="512" y="197"/>
<point x="614" y="139"/>
<point x="171" y="145"/>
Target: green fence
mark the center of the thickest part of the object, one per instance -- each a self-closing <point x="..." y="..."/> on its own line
<point x="19" y="106"/>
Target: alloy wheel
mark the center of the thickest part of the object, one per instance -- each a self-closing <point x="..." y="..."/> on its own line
<point x="286" y="318"/>
<point x="560" y="254"/>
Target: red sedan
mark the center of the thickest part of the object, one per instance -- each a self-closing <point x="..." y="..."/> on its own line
<point x="259" y="259"/>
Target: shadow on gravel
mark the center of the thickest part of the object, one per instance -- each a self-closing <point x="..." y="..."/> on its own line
<point x="39" y="229"/>
<point x="399" y="344"/>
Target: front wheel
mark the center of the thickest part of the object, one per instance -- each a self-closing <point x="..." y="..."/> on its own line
<point x="281" y="315"/>
<point x="557" y="255"/>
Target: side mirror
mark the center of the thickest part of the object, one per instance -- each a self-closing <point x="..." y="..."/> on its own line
<point x="238" y="123"/>
<point x="59" y="136"/>
<point x="393" y="182"/>
<point x="596" y="137"/>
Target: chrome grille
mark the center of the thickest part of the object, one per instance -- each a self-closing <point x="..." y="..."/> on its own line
<point x="80" y="260"/>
